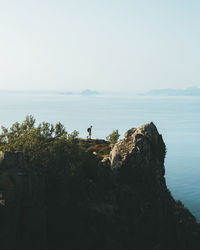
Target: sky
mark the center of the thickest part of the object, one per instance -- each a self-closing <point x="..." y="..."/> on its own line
<point x="104" y="45"/>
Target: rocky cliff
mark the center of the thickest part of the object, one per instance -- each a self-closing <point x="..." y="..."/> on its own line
<point x="118" y="203"/>
<point x="159" y="222"/>
<point x="22" y="215"/>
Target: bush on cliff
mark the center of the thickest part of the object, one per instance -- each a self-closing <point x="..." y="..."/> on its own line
<point x="88" y="205"/>
<point x="42" y="145"/>
<point x="50" y="151"/>
<point x="68" y="171"/>
<point x="113" y="137"/>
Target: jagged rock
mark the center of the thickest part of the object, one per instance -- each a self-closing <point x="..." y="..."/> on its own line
<point x="129" y="132"/>
<point x="138" y="160"/>
<point x="143" y="149"/>
<point x="120" y="202"/>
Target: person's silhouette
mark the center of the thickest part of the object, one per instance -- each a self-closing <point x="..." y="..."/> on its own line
<point x="90" y="132"/>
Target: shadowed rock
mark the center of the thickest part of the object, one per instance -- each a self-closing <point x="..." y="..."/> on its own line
<point x="119" y="203"/>
<point x="138" y="161"/>
<point x="22" y="217"/>
<point x="142" y="151"/>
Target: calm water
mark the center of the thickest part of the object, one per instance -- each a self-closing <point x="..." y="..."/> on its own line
<point x="177" y="119"/>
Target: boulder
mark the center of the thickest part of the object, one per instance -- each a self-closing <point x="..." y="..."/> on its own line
<point x="142" y="149"/>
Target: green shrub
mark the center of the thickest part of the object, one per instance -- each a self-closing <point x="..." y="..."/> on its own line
<point x="113" y="137"/>
<point x="45" y="145"/>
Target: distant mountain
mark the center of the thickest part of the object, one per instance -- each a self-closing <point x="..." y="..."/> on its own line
<point x="89" y="92"/>
<point x="192" y="91"/>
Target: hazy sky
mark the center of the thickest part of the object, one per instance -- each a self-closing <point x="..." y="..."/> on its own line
<point x="99" y="44"/>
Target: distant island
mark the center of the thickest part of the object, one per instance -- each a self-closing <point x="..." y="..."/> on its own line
<point x="44" y="92"/>
<point x="89" y="92"/>
<point x="191" y="91"/>
<point x="84" y="92"/>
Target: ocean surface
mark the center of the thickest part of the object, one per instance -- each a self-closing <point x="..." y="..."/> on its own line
<point x="177" y="119"/>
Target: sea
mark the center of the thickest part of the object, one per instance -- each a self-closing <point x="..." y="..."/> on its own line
<point x="177" y="119"/>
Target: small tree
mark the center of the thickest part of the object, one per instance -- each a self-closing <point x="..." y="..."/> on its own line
<point x="113" y="137"/>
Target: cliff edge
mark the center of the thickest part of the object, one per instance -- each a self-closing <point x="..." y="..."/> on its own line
<point x="138" y="160"/>
<point x="119" y="203"/>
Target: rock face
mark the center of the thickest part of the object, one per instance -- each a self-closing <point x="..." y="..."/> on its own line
<point x="22" y="216"/>
<point x="120" y="203"/>
<point x="164" y="223"/>
<point x="142" y="151"/>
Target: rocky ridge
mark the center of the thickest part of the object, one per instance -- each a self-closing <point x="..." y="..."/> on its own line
<point x="138" y="161"/>
<point x="119" y="203"/>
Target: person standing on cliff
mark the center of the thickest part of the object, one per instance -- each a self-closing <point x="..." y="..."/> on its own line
<point x="89" y="130"/>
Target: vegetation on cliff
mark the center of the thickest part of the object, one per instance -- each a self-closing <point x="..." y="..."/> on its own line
<point x="91" y="201"/>
<point x="41" y="145"/>
<point x="113" y="137"/>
